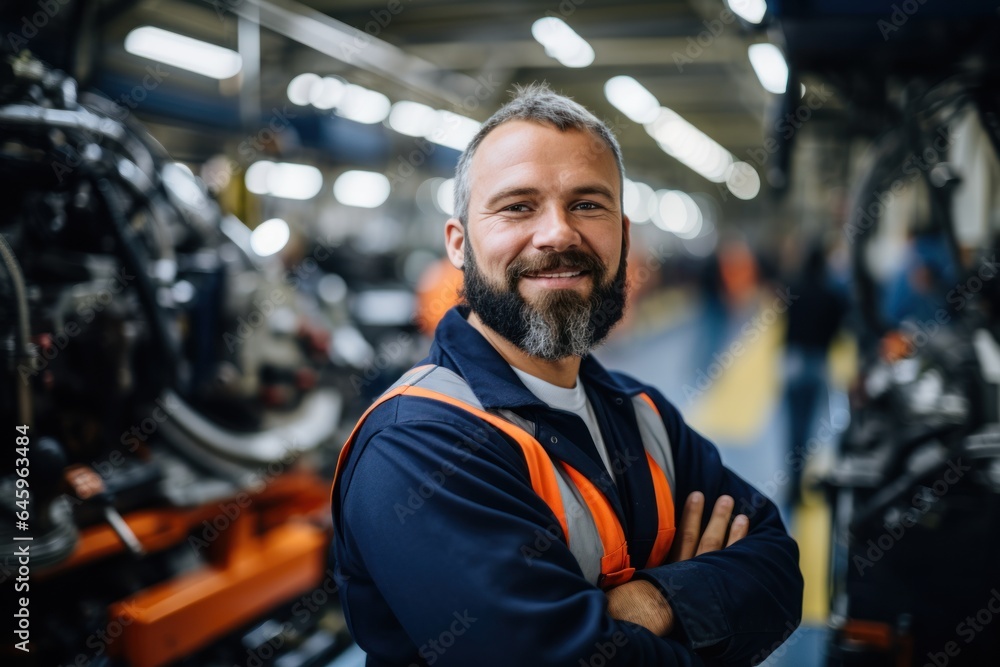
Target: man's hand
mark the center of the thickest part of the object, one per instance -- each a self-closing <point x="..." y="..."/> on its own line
<point x="640" y="601"/>
<point x="689" y="540"/>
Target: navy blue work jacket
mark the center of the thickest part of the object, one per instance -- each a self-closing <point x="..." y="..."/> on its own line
<point x="446" y="556"/>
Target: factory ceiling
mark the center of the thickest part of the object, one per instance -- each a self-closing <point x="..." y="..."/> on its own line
<point x="458" y="55"/>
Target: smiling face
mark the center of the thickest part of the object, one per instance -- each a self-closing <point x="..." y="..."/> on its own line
<point x="545" y="242"/>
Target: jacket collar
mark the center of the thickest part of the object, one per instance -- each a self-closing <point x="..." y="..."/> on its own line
<point x="459" y="346"/>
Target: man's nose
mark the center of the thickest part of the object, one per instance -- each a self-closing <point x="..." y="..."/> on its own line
<point x="555" y="231"/>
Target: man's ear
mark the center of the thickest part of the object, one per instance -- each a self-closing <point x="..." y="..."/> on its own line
<point x="454" y="242"/>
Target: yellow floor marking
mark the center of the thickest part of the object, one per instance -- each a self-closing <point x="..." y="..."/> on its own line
<point x="737" y="405"/>
<point x="736" y="408"/>
<point x="811" y="529"/>
<point x="843" y="362"/>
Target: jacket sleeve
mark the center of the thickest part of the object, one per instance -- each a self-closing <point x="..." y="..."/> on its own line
<point x="735" y="605"/>
<point x="440" y="514"/>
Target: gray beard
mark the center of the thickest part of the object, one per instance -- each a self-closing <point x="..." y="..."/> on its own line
<point x="562" y="323"/>
<point x="555" y="335"/>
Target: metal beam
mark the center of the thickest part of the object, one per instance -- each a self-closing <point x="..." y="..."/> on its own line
<point x="359" y="49"/>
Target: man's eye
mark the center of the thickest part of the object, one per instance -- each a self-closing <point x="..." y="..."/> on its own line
<point x="516" y="208"/>
<point x="588" y="206"/>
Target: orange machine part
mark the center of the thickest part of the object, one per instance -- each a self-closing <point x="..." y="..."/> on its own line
<point x="155" y="529"/>
<point x="880" y="636"/>
<point x="286" y="496"/>
<point x="895" y="345"/>
<point x="251" y="574"/>
<point x="868" y="633"/>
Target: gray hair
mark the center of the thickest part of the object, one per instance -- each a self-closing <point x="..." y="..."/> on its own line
<point x="535" y="102"/>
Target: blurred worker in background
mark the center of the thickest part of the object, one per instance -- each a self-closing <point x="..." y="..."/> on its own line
<point x="729" y="285"/>
<point x="916" y="290"/>
<point x="814" y="319"/>
<point x="511" y="502"/>
<point x="438" y="290"/>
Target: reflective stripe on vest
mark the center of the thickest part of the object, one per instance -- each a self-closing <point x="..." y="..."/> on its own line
<point x="588" y="521"/>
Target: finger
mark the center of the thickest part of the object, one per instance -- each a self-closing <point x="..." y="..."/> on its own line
<point x="739" y="529"/>
<point x="690" y="529"/>
<point x="715" y="532"/>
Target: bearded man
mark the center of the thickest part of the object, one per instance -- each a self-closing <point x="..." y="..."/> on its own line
<point x="509" y="501"/>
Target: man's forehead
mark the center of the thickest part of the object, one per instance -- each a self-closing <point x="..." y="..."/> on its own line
<point x="517" y="142"/>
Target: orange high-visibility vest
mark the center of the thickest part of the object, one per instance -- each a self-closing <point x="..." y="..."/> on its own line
<point x="590" y="526"/>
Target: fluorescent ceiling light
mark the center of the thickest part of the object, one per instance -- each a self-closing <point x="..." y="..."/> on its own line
<point x="365" y="189"/>
<point x="632" y="99"/>
<point x="256" y="177"/>
<point x="630" y="197"/>
<point x="743" y="181"/>
<point x="562" y="43"/>
<point x="445" y="196"/>
<point x="327" y="92"/>
<point x="668" y="211"/>
<point x="442" y="127"/>
<point x="269" y="237"/>
<point x="183" y="52"/>
<point x="284" y="179"/>
<point x="690" y="146"/>
<point x="675" y="212"/>
<point x="695" y="219"/>
<point x="362" y="105"/>
<point x="412" y="118"/>
<point x="300" y="88"/>
<point x="582" y="55"/>
<point x="636" y="196"/>
<point x="453" y="130"/>
<point x="751" y="11"/>
<point x="769" y="66"/>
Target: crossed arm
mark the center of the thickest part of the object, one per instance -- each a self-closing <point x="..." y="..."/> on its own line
<point x="640" y="601"/>
<point x="728" y="590"/>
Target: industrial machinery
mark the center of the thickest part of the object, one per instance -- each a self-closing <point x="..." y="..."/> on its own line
<point x="169" y="399"/>
<point x="915" y="487"/>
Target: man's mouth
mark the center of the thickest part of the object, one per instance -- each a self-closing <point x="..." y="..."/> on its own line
<point x="555" y="274"/>
<point x="561" y="278"/>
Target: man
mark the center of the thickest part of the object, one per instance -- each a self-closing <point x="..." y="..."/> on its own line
<point x="511" y="502"/>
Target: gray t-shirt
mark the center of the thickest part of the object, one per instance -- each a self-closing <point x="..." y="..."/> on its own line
<point x="571" y="400"/>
